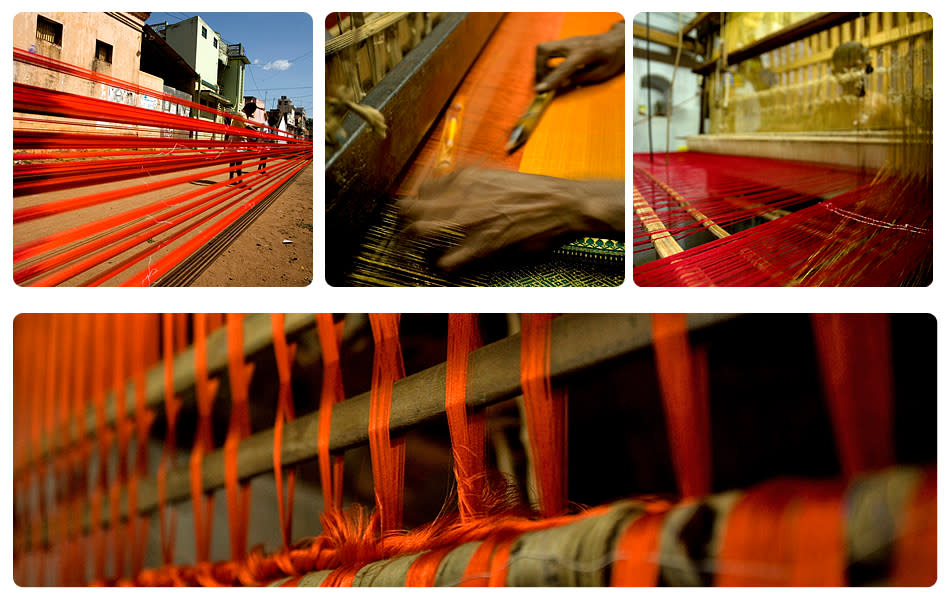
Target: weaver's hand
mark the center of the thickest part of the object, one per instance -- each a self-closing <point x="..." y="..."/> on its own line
<point x="587" y="59"/>
<point x="504" y="209"/>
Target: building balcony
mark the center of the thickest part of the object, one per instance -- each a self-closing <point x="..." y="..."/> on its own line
<point x="236" y="51"/>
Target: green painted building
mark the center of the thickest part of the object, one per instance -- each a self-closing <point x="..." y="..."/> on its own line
<point x="220" y="66"/>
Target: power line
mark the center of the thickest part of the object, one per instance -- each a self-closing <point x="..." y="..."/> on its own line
<point x="300" y="87"/>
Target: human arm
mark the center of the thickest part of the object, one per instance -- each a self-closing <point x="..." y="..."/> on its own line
<point x="504" y="209"/>
<point x="587" y="59"/>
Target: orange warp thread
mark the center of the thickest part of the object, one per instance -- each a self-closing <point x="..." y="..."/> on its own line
<point x="388" y="455"/>
<point x="684" y="383"/>
<point x="785" y="533"/>
<point x="854" y="353"/>
<point x="331" y="393"/>
<point x="545" y="410"/>
<point x="144" y="333"/>
<point x="467" y="430"/>
<point x="238" y="494"/>
<point x="284" y="355"/>
<point x="423" y="570"/>
<point x="205" y="390"/>
<point x="636" y="555"/>
<point x="168" y="522"/>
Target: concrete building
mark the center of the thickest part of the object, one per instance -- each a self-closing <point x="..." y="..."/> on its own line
<point x="295" y="117"/>
<point x="255" y="109"/>
<point x="220" y="66"/>
<point x="108" y="43"/>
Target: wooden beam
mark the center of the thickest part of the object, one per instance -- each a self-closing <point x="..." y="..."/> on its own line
<point x="665" y="38"/>
<point x="794" y="32"/>
<point x="696" y="22"/>
<point x="410" y="97"/>
<point x="257" y="337"/>
<point x="660" y="236"/>
<point x="695" y="213"/>
<point x="578" y="343"/>
<point x="688" y="60"/>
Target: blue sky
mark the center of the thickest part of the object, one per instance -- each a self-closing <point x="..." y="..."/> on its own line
<point x="279" y="46"/>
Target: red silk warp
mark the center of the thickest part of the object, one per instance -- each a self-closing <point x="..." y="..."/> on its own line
<point x="161" y="187"/>
<point x="854" y="353"/>
<point x="823" y="225"/>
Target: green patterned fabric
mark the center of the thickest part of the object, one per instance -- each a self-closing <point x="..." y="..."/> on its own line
<point x="387" y="257"/>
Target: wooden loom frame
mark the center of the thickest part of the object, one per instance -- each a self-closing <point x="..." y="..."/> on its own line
<point x="410" y="97"/>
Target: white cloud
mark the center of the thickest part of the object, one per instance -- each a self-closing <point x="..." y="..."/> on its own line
<point x="279" y="65"/>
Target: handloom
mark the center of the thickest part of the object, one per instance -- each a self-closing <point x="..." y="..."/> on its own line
<point x="580" y="136"/>
<point x="817" y="169"/>
<point x="90" y="387"/>
<point x="132" y="193"/>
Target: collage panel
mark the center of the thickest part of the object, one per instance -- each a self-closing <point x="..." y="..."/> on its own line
<point x="414" y="449"/>
<point x="475" y="149"/>
<point x="162" y="149"/>
<point x="783" y="149"/>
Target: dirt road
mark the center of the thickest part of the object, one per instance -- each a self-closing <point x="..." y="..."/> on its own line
<point x="276" y="250"/>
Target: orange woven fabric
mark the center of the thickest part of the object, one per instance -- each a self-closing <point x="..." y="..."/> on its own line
<point x="581" y="135"/>
<point x="496" y="91"/>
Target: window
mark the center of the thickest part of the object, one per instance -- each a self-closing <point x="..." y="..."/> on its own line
<point x="103" y="51"/>
<point x="215" y="42"/>
<point x="204" y="32"/>
<point x="49" y="31"/>
<point x="661" y="86"/>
